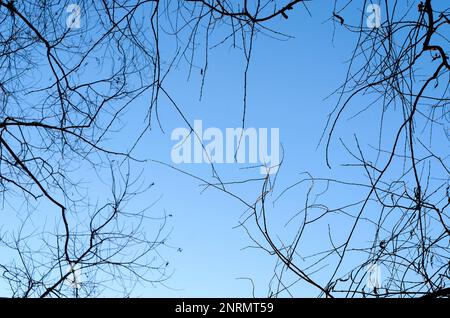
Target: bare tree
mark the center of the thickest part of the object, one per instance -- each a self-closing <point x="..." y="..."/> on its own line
<point x="66" y="84"/>
<point x="390" y="237"/>
<point x="63" y="91"/>
<point x="69" y="73"/>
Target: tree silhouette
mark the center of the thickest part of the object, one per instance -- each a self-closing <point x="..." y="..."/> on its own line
<point x="66" y="82"/>
<point x="399" y="226"/>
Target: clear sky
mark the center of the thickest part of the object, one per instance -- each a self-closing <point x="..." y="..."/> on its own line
<point x="288" y="83"/>
<point x="289" y="87"/>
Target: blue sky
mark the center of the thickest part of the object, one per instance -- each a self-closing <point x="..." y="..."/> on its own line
<point x="288" y="84"/>
<point x="289" y="81"/>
